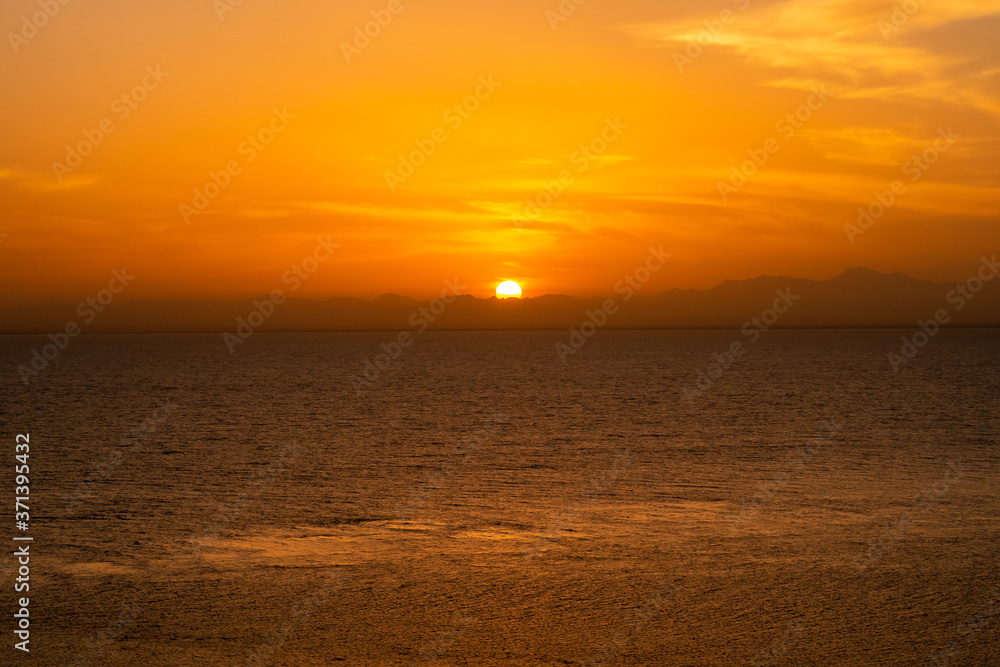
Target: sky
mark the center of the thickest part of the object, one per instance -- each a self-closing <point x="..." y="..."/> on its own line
<point x="543" y="142"/>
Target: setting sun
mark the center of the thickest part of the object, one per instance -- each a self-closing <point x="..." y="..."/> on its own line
<point x="508" y="289"/>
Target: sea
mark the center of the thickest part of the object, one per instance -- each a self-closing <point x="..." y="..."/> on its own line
<point x="477" y="499"/>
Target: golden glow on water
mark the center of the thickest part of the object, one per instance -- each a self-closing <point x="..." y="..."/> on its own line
<point x="555" y="503"/>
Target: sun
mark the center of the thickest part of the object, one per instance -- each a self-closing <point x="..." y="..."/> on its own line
<point x="508" y="289"/>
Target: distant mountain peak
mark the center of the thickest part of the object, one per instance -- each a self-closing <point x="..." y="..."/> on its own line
<point x="858" y="297"/>
<point x="861" y="274"/>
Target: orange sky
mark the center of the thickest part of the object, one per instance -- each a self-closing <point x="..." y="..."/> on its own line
<point x="675" y="117"/>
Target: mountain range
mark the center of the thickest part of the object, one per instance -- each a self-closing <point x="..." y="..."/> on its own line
<point x="858" y="298"/>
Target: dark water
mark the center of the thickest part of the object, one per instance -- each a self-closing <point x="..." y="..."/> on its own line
<point x="482" y="503"/>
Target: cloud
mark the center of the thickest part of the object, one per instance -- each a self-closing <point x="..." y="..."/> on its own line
<point x="45" y="181"/>
<point x="866" y="145"/>
<point x="398" y="213"/>
<point x="845" y="44"/>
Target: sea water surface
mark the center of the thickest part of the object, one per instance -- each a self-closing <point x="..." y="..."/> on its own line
<point x="483" y="503"/>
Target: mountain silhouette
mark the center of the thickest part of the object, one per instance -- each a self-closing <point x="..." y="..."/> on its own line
<point x="859" y="297"/>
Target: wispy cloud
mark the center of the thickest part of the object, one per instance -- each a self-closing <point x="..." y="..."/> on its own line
<point x="45" y="182"/>
<point x="842" y="43"/>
